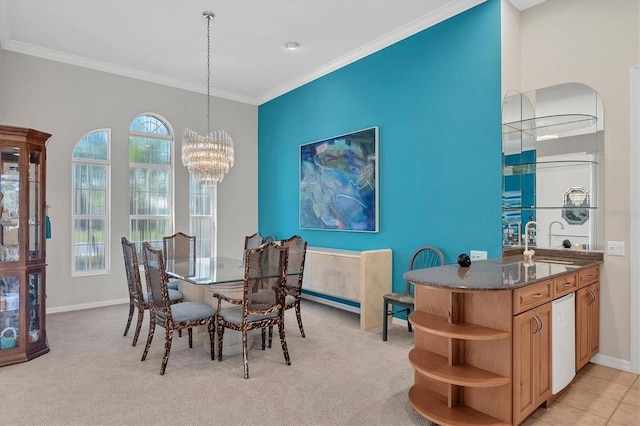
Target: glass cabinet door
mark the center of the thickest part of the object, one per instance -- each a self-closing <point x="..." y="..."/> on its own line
<point x="9" y="204"/>
<point x="35" y="306"/>
<point x="36" y="219"/>
<point x="10" y="326"/>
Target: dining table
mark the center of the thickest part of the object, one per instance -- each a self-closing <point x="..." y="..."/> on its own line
<point x="201" y="279"/>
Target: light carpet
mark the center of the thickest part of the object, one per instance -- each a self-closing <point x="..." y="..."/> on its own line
<point x="338" y="375"/>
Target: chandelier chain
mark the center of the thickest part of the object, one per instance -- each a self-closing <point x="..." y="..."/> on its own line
<point x="208" y="18"/>
<point x="208" y="158"/>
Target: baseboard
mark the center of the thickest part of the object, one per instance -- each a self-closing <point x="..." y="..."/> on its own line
<point x="330" y="302"/>
<point x="399" y="321"/>
<point x="81" y="306"/>
<point x="609" y="361"/>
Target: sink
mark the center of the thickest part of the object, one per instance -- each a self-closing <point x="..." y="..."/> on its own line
<point x="556" y="261"/>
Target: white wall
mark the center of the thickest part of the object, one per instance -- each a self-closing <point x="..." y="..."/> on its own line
<point x="69" y="101"/>
<point x="510" y="46"/>
<point x="596" y="43"/>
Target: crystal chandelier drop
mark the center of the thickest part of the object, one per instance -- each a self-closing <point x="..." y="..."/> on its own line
<point x="208" y="158"/>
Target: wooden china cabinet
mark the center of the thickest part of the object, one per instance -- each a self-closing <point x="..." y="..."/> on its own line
<point x="22" y="244"/>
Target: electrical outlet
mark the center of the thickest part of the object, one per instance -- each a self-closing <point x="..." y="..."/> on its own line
<point x="477" y="255"/>
<point x="615" y="248"/>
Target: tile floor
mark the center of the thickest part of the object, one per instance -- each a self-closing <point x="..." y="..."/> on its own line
<point x="598" y="396"/>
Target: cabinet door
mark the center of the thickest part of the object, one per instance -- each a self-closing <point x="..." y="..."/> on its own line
<point x="524" y="327"/>
<point x="587" y="324"/>
<point x="594" y="321"/>
<point x="531" y="361"/>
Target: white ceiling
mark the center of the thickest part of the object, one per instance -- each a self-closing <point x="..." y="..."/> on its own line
<point x="165" y="41"/>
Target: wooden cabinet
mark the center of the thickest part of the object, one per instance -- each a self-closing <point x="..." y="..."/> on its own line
<point x="587" y="323"/>
<point x="484" y="355"/>
<point x="22" y="244"/>
<point x="531" y="360"/>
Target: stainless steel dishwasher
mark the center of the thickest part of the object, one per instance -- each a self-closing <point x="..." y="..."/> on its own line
<point x="563" y="342"/>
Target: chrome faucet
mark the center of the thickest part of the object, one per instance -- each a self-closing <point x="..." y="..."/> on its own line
<point x="527" y="252"/>
<point x="515" y="222"/>
<point x="550" y="225"/>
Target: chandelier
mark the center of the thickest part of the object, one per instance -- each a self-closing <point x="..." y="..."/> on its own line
<point x="208" y="158"/>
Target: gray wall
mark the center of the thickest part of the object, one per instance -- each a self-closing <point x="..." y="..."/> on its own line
<point x="69" y="101"/>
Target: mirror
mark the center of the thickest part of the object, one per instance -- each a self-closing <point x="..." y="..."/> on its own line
<point x="552" y="167"/>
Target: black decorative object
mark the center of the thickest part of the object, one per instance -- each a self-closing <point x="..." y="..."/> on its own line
<point x="464" y="260"/>
<point x="566" y="244"/>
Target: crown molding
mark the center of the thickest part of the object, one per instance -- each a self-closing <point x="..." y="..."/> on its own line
<point x="445" y="12"/>
<point x="442" y="14"/>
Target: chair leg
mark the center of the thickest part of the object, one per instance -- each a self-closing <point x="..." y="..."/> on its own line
<point x="245" y="354"/>
<point x="190" y="331"/>
<point x="263" y="332"/>
<point x="409" y="322"/>
<point x="152" y="329"/>
<point x="299" y="316"/>
<point x="131" y="308"/>
<point x="270" y="335"/>
<point x="212" y="338"/>
<point x="138" y="326"/>
<point x="385" y="314"/>
<point x="220" y="336"/>
<point x="167" y="350"/>
<point x="283" y="342"/>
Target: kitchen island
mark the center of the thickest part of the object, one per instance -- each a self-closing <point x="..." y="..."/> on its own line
<point x="482" y="337"/>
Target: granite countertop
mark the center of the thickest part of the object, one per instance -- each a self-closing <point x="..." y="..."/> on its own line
<point x="501" y="273"/>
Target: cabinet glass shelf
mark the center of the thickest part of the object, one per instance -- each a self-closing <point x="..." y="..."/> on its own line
<point x="564" y="122"/>
<point x="540" y="167"/>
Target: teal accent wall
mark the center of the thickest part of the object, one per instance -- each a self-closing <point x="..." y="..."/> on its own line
<point x="436" y="99"/>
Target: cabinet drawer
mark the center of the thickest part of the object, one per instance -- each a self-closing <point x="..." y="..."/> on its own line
<point x="564" y="285"/>
<point x="588" y="276"/>
<point x="531" y="296"/>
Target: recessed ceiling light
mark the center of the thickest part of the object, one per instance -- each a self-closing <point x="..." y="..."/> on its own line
<point x="292" y="45"/>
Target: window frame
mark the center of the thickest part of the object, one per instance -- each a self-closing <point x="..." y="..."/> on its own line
<point x="150" y="166"/>
<point x="106" y="216"/>
<point x="212" y="217"/>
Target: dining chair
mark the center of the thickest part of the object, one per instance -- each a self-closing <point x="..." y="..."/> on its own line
<point x="138" y="297"/>
<point x="424" y="257"/>
<point x="262" y="302"/>
<point x="253" y="241"/>
<point x="293" y="287"/>
<point x="167" y="315"/>
<point x="179" y="252"/>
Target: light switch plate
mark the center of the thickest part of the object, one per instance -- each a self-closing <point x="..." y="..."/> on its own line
<point x="615" y="248"/>
<point x="477" y="255"/>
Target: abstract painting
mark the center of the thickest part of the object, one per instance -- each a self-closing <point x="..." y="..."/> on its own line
<point x="338" y="182"/>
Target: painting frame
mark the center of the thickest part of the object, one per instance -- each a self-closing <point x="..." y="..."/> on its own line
<point x="338" y="186"/>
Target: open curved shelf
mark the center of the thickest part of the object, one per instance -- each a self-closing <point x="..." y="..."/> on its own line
<point x="440" y="326"/>
<point x="434" y="407"/>
<point x="437" y="367"/>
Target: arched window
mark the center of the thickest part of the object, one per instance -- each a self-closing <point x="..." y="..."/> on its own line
<point x="91" y="203"/>
<point x="150" y="180"/>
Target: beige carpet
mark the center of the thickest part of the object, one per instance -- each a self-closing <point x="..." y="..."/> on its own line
<point x="338" y="375"/>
